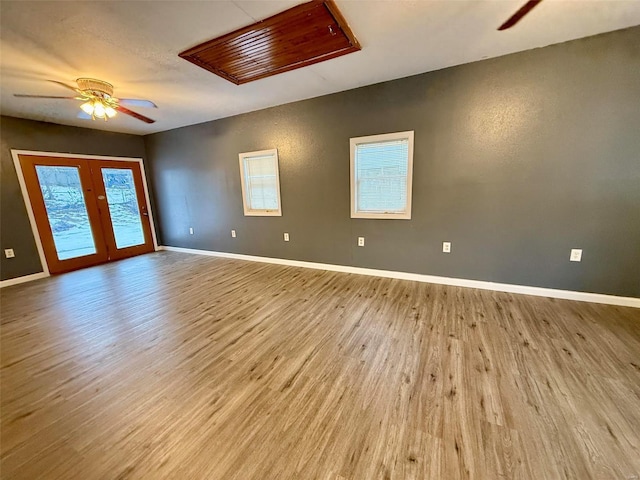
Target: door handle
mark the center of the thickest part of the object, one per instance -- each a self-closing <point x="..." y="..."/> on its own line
<point x="145" y="214"/>
<point x="101" y="197"/>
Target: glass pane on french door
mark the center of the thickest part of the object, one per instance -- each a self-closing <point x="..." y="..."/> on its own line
<point x="123" y="206"/>
<point x="66" y="211"/>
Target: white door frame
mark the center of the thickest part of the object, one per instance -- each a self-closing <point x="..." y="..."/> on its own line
<point x="27" y="201"/>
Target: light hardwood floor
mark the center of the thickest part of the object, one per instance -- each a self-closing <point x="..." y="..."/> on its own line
<point x="187" y="367"/>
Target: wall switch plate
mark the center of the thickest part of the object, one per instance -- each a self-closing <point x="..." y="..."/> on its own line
<point x="446" y="247"/>
<point x="576" y="255"/>
<point x="8" y="252"/>
<point x="286" y="237"/>
<point x="190" y="230"/>
<point x="361" y="241"/>
<point x="233" y="233"/>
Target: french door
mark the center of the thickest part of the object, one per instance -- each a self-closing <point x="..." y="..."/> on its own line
<point x="87" y="211"/>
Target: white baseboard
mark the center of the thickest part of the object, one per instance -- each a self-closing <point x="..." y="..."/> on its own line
<point x="457" y="282"/>
<point x="26" y="278"/>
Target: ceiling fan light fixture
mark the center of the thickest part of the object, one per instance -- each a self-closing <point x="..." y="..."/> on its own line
<point x="99" y="109"/>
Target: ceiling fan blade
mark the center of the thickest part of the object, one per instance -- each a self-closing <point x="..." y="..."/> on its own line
<point x="516" y="17"/>
<point x="83" y="115"/>
<point x="66" y="86"/>
<point x="133" y="114"/>
<point x="22" y="95"/>
<point x="134" y="102"/>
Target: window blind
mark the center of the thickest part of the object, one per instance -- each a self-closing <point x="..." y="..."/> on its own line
<point x="260" y="182"/>
<point x="381" y="176"/>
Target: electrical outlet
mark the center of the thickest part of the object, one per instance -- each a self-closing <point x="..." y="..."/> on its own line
<point x="286" y="237"/>
<point x="9" y="253"/>
<point x="361" y="241"/>
<point x="190" y="230"/>
<point x="233" y="233"/>
<point x="446" y="247"/>
<point x="576" y="255"/>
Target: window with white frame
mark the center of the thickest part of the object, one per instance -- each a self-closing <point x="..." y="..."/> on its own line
<point x="260" y="183"/>
<point x="381" y="171"/>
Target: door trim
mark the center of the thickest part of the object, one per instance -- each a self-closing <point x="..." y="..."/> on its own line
<point x="27" y="201"/>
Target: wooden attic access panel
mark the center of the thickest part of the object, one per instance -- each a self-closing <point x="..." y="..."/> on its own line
<point x="301" y="36"/>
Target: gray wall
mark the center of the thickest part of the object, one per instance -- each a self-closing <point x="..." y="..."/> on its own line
<point x="517" y="160"/>
<point x="15" y="133"/>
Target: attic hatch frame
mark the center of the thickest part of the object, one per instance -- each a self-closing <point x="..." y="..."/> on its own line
<point x="300" y="36"/>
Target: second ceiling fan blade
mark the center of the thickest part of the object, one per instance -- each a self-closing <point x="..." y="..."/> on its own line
<point x="516" y="17"/>
<point x="66" y="86"/>
<point x="135" y="102"/>
<point x="22" y="95"/>
<point x="133" y="114"/>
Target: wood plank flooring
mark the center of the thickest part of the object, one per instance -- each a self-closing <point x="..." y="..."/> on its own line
<point x="176" y="366"/>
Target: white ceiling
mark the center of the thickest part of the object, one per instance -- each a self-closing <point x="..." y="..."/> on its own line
<point x="135" y="46"/>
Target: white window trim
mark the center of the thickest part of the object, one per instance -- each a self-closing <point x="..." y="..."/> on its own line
<point x="259" y="213"/>
<point x="406" y="215"/>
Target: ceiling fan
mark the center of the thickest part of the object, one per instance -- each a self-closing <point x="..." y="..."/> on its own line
<point x="516" y="17"/>
<point x="99" y="101"/>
